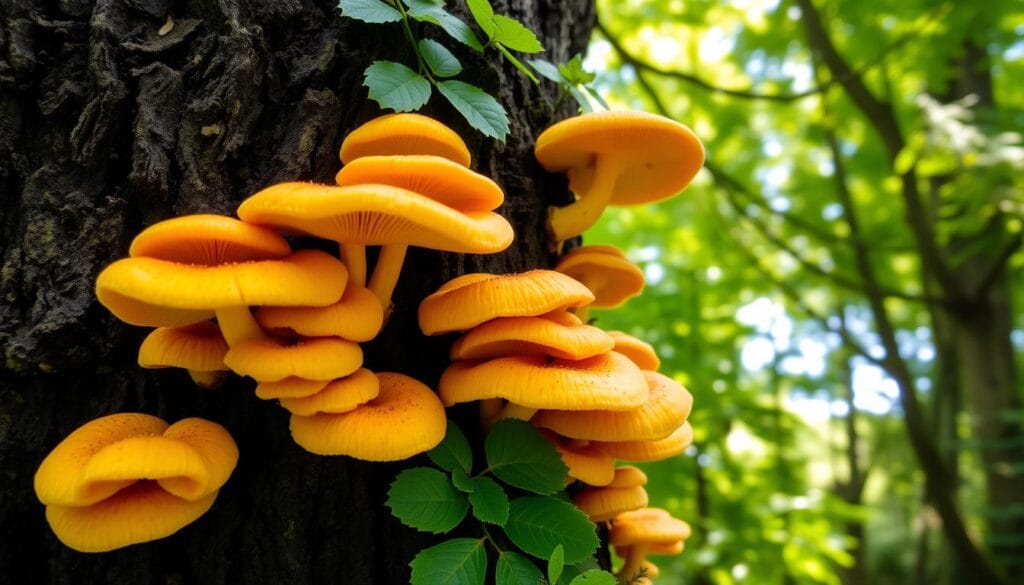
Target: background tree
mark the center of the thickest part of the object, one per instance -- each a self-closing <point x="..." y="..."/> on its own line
<point x="114" y="115"/>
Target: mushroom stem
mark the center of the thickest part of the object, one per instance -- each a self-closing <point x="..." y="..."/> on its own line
<point x="386" y="271"/>
<point x="513" y="410"/>
<point x="209" y="380"/>
<point x="583" y="313"/>
<point x="354" y="258"/>
<point x="575" y="218"/>
<point x="237" y="325"/>
<point x="490" y="408"/>
<point x="634" y="561"/>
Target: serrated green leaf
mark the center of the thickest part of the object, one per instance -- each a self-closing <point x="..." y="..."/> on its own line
<point x="482" y="111"/>
<point x="395" y="86"/>
<point x="511" y="33"/>
<point x="547" y="70"/>
<point x="440" y="60"/>
<point x="537" y="524"/>
<point x="453" y="452"/>
<point x="490" y="502"/>
<point x="518" y="64"/>
<point x="483" y="14"/>
<point x="424" y="11"/>
<point x="374" y="11"/>
<point x="520" y="456"/>
<point x="574" y="73"/>
<point x="555" y="564"/>
<point x="462" y="481"/>
<point x="595" y="577"/>
<point x="515" y="569"/>
<point x="460" y="561"/>
<point x="425" y="499"/>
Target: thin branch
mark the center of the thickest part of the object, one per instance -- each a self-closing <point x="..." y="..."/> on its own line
<point x="997" y="266"/>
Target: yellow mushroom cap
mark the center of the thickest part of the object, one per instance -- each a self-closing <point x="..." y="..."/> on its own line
<point x="556" y="336"/>
<point x="601" y="504"/>
<point x="405" y="419"/>
<point x="471" y="299"/>
<point x="199" y="347"/>
<point x="160" y="293"/>
<point x="404" y="133"/>
<point x="635" y="349"/>
<point x="670" y="446"/>
<point x="208" y="240"/>
<point x="608" y="381"/>
<point x="628" y="476"/>
<point x="290" y="387"/>
<point x="357" y="316"/>
<point x="341" y="395"/>
<point x="647" y="526"/>
<point x="376" y="215"/>
<point x="658" y="156"/>
<point x="606" y="272"/>
<point x="667" y="407"/>
<point x="435" y="177"/>
<point x="315" y="358"/>
<point x="585" y="462"/>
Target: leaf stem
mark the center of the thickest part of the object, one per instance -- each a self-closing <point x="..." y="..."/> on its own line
<point x="424" y="70"/>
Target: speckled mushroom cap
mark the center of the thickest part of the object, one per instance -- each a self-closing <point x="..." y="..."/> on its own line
<point x="375" y="215"/>
<point x="341" y="395"/>
<point x="608" y="381"/>
<point x="557" y="334"/>
<point x="606" y="272"/>
<point x="404" y="133"/>
<point x="199" y="346"/>
<point x="160" y="293"/>
<point x="357" y="316"/>
<point x="273" y="359"/>
<point x="93" y="482"/>
<point x="471" y="299"/>
<point x="585" y="462"/>
<point x="667" y="407"/>
<point x="670" y="446"/>
<point x="435" y="177"/>
<point x="637" y="350"/>
<point x="208" y="240"/>
<point x="405" y="419"/>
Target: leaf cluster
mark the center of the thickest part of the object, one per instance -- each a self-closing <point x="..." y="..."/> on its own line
<point x="573" y="80"/>
<point x="519" y="492"/>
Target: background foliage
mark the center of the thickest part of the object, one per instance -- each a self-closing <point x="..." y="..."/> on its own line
<point x="837" y="288"/>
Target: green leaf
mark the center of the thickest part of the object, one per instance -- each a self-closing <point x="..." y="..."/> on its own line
<point x="547" y="70"/>
<point x="453" y="452"/>
<point x="425" y="499"/>
<point x="555" y="564"/>
<point x="490" y="502"/>
<point x="537" y="524"/>
<point x="462" y="481"/>
<point x="595" y="577"/>
<point x="515" y="569"/>
<point x="425" y="11"/>
<point x="574" y="73"/>
<point x="483" y="14"/>
<point x="581" y="100"/>
<point x="482" y="111"/>
<point x="460" y="561"/>
<point x="597" y="97"/>
<point x="374" y="11"/>
<point x="395" y="86"/>
<point x="511" y="33"/>
<point x="440" y="60"/>
<point x="518" y="64"/>
<point x="520" y="456"/>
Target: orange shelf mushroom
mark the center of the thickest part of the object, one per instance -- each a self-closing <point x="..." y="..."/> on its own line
<point x="404" y="133"/>
<point x="624" y="493"/>
<point x="199" y="348"/>
<point x="637" y="350"/>
<point x="635" y="533"/>
<point x="606" y="271"/>
<point x="128" y="478"/>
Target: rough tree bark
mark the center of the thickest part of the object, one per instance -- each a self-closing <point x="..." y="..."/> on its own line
<point x="106" y="127"/>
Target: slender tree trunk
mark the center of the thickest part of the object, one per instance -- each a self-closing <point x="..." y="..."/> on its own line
<point x="109" y="123"/>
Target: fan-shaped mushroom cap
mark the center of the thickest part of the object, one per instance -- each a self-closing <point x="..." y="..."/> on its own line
<point x="637" y="350"/>
<point x="160" y="293"/>
<point x="667" y="407"/>
<point x="649" y="526"/>
<point x="606" y="272"/>
<point x="628" y="476"/>
<point x="670" y="446"/>
<point x="208" y="240"/>
<point x="607" y="381"/>
<point x="601" y="504"/>
<point x="198" y="348"/>
<point x="585" y="462"/>
<point x="357" y="316"/>
<point x="376" y="215"/>
<point x="128" y="478"/>
<point x="404" y="419"/>
<point x="404" y="133"/>
<point x="314" y="358"/>
<point x="557" y="334"/>
<point x="291" y="387"/>
<point x="341" y="395"/>
<point x="471" y="299"/>
<point x="435" y="177"/>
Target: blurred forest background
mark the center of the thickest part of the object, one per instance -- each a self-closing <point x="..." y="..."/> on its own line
<point x="840" y="289"/>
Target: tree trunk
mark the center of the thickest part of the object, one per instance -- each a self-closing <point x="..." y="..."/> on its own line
<point x="107" y="126"/>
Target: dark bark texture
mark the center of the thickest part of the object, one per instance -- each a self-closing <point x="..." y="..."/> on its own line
<point x="107" y="126"/>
